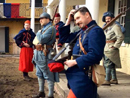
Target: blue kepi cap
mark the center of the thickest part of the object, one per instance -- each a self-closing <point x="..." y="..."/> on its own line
<point x="45" y="15"/>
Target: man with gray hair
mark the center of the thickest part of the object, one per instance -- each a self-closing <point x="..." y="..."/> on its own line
<point x="43" y="43"/>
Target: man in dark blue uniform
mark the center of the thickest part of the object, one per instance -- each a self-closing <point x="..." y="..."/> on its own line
<point x="58" y="25"/>
<point x="79" y="82"/>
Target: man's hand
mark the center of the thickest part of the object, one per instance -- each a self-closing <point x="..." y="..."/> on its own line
<point x="70" y="63"/>
<point x="70" y="18"/>
<point x="26" y="44"/>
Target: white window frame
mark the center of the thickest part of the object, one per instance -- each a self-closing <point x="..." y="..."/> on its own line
<point x="123" y="16"/>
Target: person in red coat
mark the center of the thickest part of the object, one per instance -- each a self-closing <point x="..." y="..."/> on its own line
<point x="24" y="40"/>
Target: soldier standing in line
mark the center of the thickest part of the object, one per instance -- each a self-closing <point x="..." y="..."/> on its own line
<point x="24" y="40"/>
<point x="114" y="38"/>
<point x="79" y="81"/>
<point x="58" y="24"/>
<point x="44" y="44"/>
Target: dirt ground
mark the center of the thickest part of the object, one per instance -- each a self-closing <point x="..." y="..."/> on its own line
<point x="12" y="84"/>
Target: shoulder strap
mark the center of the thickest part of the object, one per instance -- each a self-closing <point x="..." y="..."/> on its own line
<point x="86" y="33"/>
<point x="81" y="46"/>
<point x="52" y="33"/>
<point x="45" y="29"/>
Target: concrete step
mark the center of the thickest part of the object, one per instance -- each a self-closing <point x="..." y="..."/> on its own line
<point x="122" y="90"/>
<point x="61" y="87"/>
<point x="9" y="55"/>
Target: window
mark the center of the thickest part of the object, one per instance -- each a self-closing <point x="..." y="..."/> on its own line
<point x="38" y="3"/>
<point x="2" y="1"/>
<point x="127" y="23"/>
<point x="122" y="6"/>
<point x="37" y="27"/>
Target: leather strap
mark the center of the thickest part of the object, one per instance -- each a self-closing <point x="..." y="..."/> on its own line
<point x="49" y="46"/>
<point x="110" y="41"/>
<point x="81" y="46"/>
<point x="86" y="33"/>
<point x="45" y="29"/>
<point x="45" y="47"/>
<point x="93" y="73"/>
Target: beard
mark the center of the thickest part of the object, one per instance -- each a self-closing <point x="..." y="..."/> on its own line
<point x="107" y="22"/>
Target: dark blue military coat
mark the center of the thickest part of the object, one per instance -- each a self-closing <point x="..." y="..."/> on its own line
<point x="58" y="26"/>
<point x="77" y="76"/>
<point x="26" y="36"/>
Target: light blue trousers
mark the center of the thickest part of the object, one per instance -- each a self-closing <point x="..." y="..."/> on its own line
<point x="110" y="69"/>
<point x="41" y="82"/>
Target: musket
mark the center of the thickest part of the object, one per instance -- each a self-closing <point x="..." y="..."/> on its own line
<point x="52" y="22"/>
<point x="114" y="19"/>
<point x="56" y="56"/>
<point x="55" y="11"/>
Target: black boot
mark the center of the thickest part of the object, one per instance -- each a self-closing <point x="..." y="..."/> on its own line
<point x="29" y="77"/>
<point x="26" y="78"/>
<point x="40" y="95"/>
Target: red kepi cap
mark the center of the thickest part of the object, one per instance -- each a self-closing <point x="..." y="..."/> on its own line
<point x="57" y="66"/>
<point x="57" y="15"/>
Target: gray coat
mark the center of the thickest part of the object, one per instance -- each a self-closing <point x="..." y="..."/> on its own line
<point x="42" y="69"/>
<point x="113" y="33"/>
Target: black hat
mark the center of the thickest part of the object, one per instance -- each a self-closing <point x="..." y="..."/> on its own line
<point x="107" y="14"/>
